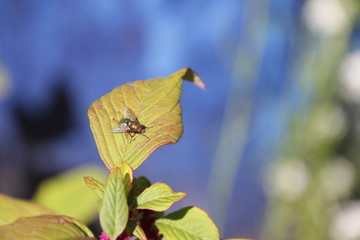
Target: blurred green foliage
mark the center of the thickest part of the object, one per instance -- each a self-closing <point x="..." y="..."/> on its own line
<point x="316" y="172"/>
<point x="67" y="194"/>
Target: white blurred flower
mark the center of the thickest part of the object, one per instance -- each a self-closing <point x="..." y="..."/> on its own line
<point x="331" y="123"/>
<point x="337" y="178"/>
<point x="287" y="180"/>
<point x="325" y="17"/>
<point x="350" y="76"/>
<point x="346" y="222"/>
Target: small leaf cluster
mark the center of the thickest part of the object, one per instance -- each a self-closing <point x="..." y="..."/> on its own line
<point x="135" y="208"/>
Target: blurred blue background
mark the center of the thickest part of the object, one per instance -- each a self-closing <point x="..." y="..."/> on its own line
<point x="60" y="56"/>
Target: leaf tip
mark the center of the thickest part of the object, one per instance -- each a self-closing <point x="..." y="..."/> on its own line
<point x="183" y="194"/>
<point x="192" y="76"/>
<point x="201" y="85"/>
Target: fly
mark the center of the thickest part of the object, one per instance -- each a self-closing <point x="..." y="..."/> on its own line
<point x="130" y="124"/>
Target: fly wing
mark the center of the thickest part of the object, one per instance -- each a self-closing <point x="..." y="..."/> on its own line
<point x="123" y="127"/>
<point x="128" y="113"/>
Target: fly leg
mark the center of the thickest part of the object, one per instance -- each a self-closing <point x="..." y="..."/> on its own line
<point x="144" y="135"/>
<point x="132" y="135"/>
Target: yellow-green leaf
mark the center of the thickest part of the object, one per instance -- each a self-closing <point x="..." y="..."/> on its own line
<point x="12" y="209"/>
<point x="189" y="223"/>
<point x="96" y="186"/>
<point x="155" y="103"/>
<point x="67" y="194"/>
<point x="136" y="230"/>
<point x="114" y="211"/>
<point x="127" y="173"/>
<point x="158" y="197"/>
<point x="50" y="227"/>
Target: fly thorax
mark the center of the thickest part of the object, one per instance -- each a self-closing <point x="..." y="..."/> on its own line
<point x="133" y="125"/>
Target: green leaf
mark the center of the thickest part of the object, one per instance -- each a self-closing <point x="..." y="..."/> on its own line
<point x="114" y="211"/>
<point x="67" y="194"/>
<point x="136" y="230"/>
<point x="158" y="197"/>
<point x="127" y="173"/>
<point x="12" y="209"/>
<point x="49" y="227"/>
<point x="155" y="102"/>
<point x="189" y="223"/>
<point x="139" y="185"/>
<point x="95" y="185"/>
